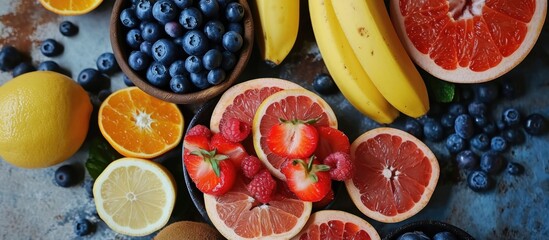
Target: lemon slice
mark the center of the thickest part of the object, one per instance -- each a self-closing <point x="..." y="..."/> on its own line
<point x="134" y="197"/>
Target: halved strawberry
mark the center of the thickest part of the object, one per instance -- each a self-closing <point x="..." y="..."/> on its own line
<point x="235" y="151"/>
<point x="211" y="172"/>
<point x="307" y="179"/>
<point x="193" y="143"/>
<point x="293" y="139"/>
<point x="331" y="140"/>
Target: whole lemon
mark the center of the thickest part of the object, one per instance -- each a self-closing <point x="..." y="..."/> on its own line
<point x="44" y="119"/>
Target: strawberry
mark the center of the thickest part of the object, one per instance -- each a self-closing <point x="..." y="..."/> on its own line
<point x="211" y="172"/>
<point x="193" y="143"/>
<point x="331" y="140"/>
<point x="235" y="151"/>
<point x="308" y="180"/>
<point x="325" y="201"/>
<point x="293" y="139"/>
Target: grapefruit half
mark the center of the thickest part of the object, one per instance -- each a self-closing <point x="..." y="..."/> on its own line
<point x="468" y="41"/>
<point x="334" y="224"/>
<point x="237" y="215"/>
<point x="394" y="175"/>
<point x="292" y="104"/>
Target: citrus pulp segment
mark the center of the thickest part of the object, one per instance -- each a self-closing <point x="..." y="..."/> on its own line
<point x="70" y="8"/>
<point x="335" y="224"/>
<point x="394" y="177"/>
<point x="468" y="41"/>
<point x="237" y="215"/>
<point x="139" y="125"/>
<point x="134" y="196"/>
<point x="291" y="104"/>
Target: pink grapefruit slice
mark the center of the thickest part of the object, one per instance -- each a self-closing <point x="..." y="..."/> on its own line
<point x="334" y="224"/>
<point x="394" y="177"/>
<point x="237" y="215"/>
<point x="468" y="41"/>
<point x="292" y="104"/>
<point x="241" y="100"/>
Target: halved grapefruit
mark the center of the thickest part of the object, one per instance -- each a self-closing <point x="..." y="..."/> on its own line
<point x="241" y="100"/>
<point x="334" y="224"/>
<point x="292" y="104"/>
<point x="468" y="41"/>
<point x="395" y="174"/>
<point x="237" y="215"/>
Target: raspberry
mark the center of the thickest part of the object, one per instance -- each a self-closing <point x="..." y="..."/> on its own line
<point x="340" y="166"/>
<point x="251" y="166"/>
<point x="262" y="186"/>
<point x="199" y="130"/>
<point x="234" y="130"/>
<point x="324" y="201"/>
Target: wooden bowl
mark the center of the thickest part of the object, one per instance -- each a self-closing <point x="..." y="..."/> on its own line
<point x="122" y="51"/>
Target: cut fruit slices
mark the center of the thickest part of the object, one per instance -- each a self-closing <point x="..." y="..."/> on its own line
<point x="334" y="224"/>
<point x="70" y="8"/>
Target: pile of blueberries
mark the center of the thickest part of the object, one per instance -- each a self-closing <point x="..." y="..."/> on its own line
<point x="183" y="45"/>
<point x="419" y="235"/>
<point x="476" y="137"/>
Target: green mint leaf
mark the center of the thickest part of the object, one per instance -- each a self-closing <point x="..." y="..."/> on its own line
<point x="101" y="154"/>
<point x="441" y="91"/>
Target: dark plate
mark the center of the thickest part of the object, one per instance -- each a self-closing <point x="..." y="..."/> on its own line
<point x="430" y="228"/>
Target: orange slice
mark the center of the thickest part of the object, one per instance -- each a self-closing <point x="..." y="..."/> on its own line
<point x="334" y="224"/>
<point x="139" y="125"/>
<point x="71" y="7"/>
<point x="395" y="174"/>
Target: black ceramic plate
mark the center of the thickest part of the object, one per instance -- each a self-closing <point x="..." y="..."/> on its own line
<point x="430" y="228"/>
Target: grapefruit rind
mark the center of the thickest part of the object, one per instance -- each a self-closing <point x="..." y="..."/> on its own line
<point x="464" y="74"/>
<point x="324" y="216"/>
<point x="355" y="194"/>
<point x="332" y="122"/>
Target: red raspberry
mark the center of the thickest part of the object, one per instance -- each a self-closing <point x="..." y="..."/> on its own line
<point x="324" y="201"/>
<point x="341" y="167"/>
<point x="251" y="166"/>
<point x="200" y="130"/>
<point x="262" y="186"/>
<point x="234" y="130"/>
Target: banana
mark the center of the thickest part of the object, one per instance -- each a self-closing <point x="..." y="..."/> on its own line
<point x="277" y="24"/>
<point x="344" y="67"/>
<point x="368" y="28"/>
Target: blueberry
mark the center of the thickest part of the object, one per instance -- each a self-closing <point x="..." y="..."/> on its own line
<point x="158" y="75"/>
<point x="193" y="64"/>
<point x="128" y="18"/>
<point x="173" y="29"/>
<point x="143" y="10"/>
<point x="183" y="3"/>
<point x="500" y="124"/>
<point x="181" y="84"/>
<point x="467" y="159"/>
<point x="223" y="3"/>
<point x="456" y="109"/>
<point x="134" y="38"/>
<point x="92" y="80"/>
<point x="445" y="236"/>
<point x="138" y="61"/>
<point x="498" y="144"/>
<point x="455" y="144"/>
<point x="146" y="47"/>
<point x="433" y="131"/>
<point x="232" y="41"/>
<point x="216" y="76"/>
<point x="214" y="30"/>
<point x="69" y="29"/>
<point x="491" y="162"/>
<point x="195" y="42"/>
<point x="480" y="120"/>
<point x="106" y="63"/>
<point x="513" y="135"/>
<point x="83" y="227"/>
<point x="151" y="32"/>
<point x="511" y="117"/>
<point x="514" y="168"/>
<point x="229" y="61"/>
<point x="191" y="18"/>
<point x="51" y="48"/>
<point x="490" y="128"/>
<point x="487" y="92"/>
<point x="178" y="68"/>
<point x="464" y="126"/>
<point x="210" y="8"/>
<point x="103" y="94"/>
<point x="447" y="120"/>
<point x="9" y="58"/>
<point x="127" y="81"/>
<point x="236" y="27"/>
<point x="200" y="79"/>
<point x="234" y="12"/>
<point x="466" y="94"/>
<point x="476" y="108"/>
<point x="479" y="181"/>
<point x="413" y="236"/>
<point x="413" y="126"/>
<point x="212" y="59"/>
<point x="67" y="176"/>
<point x="164" y="51"/>
<point x="535" y="124"/>
<point x="480" y="142"/>
<point x="165" y="11"/>
<point x="49" y="65"/>
<point x="22" y="68"/>
<point x="509" y="90"/>
<point x="324" y="84"/>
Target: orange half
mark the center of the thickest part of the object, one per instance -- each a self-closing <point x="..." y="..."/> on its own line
<point x="139" y="125"/>
<point x="70" y="7"/>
